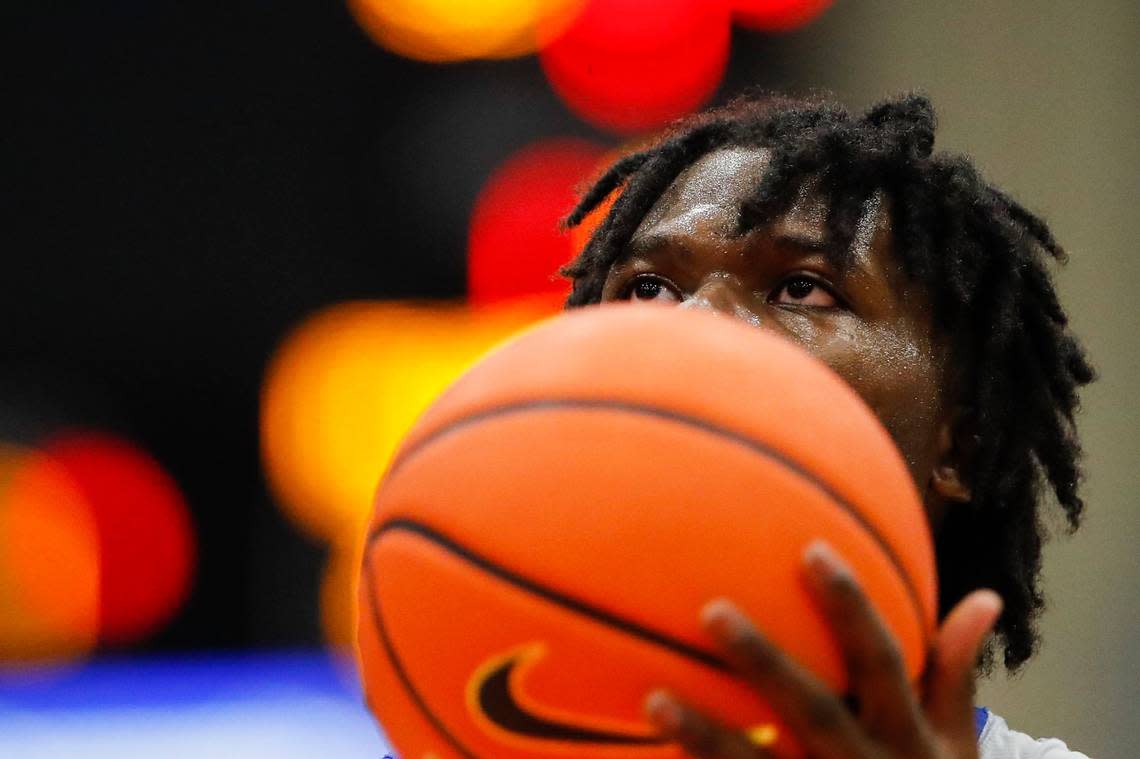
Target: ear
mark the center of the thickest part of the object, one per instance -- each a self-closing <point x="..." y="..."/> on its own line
<point x="956" y="444"/>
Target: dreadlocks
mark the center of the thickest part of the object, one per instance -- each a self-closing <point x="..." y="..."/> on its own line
<point x="979" y="254"/>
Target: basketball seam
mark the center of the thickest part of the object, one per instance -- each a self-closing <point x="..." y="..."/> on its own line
<point x="382" y="631"/>
<point x="695" y="422"/>
<point x="682" y="649"/>
<point x="553" y="596"/>
<point x="489" y="566"/>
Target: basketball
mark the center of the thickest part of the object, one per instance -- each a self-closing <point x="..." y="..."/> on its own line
<point x="548" y="531"/>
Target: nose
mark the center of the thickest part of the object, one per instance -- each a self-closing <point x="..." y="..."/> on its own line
<point x="723" y="295"/>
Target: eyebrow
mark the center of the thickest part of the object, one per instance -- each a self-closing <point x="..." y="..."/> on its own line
<point x="803" y="240"/>
<point x="655" y="240"/>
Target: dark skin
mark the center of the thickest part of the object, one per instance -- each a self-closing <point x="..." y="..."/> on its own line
<point x="872" y="326"/>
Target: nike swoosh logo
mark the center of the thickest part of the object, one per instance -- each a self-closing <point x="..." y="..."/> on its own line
<point x="498" y="704"/>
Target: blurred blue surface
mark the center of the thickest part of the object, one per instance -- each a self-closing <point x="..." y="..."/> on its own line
<point x="279" y="704"/>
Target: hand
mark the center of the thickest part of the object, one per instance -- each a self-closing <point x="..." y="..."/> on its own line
<point x="892" y="721"/>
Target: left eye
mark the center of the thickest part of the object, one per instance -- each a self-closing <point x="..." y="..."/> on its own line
<point x="802" y="290"/>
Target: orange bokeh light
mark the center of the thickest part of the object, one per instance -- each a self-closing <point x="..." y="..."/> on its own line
<point x="96" y="546"/>
<point x="630" y="66"/>
<point x="515" y="246"/>
<point x="441" y="31"/>
<point x="49" y="561"/>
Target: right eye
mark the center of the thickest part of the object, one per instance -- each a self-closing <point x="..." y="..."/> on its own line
<point x="650" y="287"/>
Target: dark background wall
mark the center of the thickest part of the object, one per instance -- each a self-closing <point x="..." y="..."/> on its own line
<point x="185" y="182"/>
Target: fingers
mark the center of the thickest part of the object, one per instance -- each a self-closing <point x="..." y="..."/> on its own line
<point x="950" y="681"/>
<point x="888" y="706"/>
<point x="890" y="713"/>
<point x="700" y="735"/>
<point x="819" y="720"/>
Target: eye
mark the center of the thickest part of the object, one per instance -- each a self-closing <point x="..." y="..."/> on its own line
<point x="650" y="287"/>
<point x="802" y="290"/>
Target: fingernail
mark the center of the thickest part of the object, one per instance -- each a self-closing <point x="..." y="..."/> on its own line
<point x="722" y="618"/>
<point x="995" y="601"/>
<point x="663" y="711"/>
<point x="823" y="561"/>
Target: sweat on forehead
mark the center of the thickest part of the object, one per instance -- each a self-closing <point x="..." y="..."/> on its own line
<point x="708" y="197"/>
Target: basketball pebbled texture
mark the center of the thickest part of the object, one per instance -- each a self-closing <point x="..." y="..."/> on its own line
<point x="544" y="539"/>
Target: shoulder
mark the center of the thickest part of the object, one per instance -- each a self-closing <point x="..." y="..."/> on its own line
<point x="998" y="741"/>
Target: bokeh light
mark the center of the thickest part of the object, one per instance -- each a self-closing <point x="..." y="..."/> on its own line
<point x="338" y="592"/>
<point x="581" y="234"/>
<point x="442" y="31"/>
<point x="96" y="546"/>
<point x="515" y="246"/>
<point x="631" y="66"/>
<point x="347" y="384"/>
<point x="49" y="560"/>
<point x="777" y="15"/>
<point x="146" y="539"/>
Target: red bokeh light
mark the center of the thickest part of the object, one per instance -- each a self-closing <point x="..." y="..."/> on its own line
<point x="777" y="15"/>
<point x="145" y="537"/>
<point x="515" y="246"/>
<point x="631" y="66"/>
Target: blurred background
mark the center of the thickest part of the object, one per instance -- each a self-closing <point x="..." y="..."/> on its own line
<point x="245" y="243"/>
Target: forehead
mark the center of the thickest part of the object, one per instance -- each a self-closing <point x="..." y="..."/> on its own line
<point x="700" y="212"/>
<point x="721" y="175"/>
<point x="707" y="196"/>
<point x="717" y="182"/>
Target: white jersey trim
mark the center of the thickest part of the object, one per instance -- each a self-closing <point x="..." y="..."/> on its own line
<point x="999" y="741"/>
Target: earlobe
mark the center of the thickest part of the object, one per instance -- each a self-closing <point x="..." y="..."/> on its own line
<point x="948" y="477"/>
<point x="948" y="483"/>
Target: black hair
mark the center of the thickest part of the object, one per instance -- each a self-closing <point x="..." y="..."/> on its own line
<point x="982" y="258"/>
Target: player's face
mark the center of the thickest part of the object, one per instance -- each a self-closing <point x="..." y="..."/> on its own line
<point x="869" y="323"/>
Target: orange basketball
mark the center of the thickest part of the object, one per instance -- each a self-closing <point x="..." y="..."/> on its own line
<point x="545" y="538"/>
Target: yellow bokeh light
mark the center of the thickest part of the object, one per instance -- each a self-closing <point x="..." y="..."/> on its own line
<point x="442" y="31"/>
<point x="345" y="387"/>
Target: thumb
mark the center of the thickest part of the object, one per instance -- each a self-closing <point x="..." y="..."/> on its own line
<point x="950" y="681"/>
